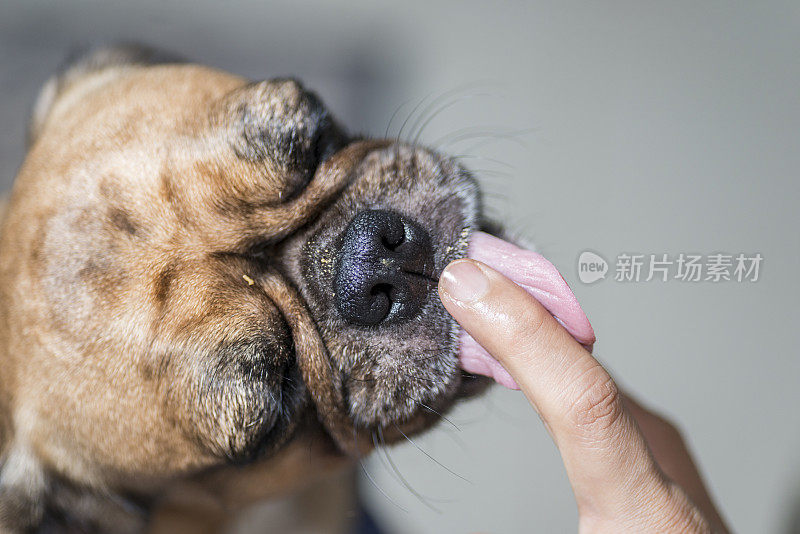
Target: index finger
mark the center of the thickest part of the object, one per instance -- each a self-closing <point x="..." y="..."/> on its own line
<point x="605" y="455"/>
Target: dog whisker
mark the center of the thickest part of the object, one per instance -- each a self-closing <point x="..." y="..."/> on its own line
<point x="432" y="105"/>
<point x="495" y="196"/>
<point x="391" y="468"/>
<point x="388" y="457"/>
<point x="497" y="412"/>
<point x="492" y="173"/>
<point x="484" y="135"/>
<point x="483" y="158"/>
<point x="376" y="446"/>
<point x="468" y="132"/>
<point x="410" y="115"/>
<point x="516" y="136"/>
<point x="456" y="439"/>
<point x="430" y="457"/>
<point x="368" y="475"/>
<point x="442" y="101"/>
<point x="391" y="119"/>
<point x="419" y="129"/>
<point x="427" y="498"/>
<point x="425" y="406"/>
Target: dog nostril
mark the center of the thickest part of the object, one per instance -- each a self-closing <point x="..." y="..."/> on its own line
<point x="383" y="271"/>
<point x="386" y="225"/>
<point x="381" y="289"/>
<point x="392" y="244"/>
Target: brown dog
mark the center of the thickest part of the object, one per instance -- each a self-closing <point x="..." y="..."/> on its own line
<point x="210" y="294"/>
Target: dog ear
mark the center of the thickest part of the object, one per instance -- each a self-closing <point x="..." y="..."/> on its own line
<point x="83" y="62"/>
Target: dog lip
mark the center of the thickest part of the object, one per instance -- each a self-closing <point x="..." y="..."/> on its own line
<point x="429" y="276"/>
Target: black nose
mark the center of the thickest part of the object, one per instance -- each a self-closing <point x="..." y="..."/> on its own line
<point x="385" y="266"/>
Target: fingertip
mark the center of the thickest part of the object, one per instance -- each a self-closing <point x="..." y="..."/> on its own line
<point x="464" y="281"/>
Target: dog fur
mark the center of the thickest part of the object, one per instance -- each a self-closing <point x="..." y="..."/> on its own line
<point x="170" y="348"/>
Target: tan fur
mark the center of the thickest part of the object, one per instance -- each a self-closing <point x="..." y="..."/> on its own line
<point x="46" y="384"/>
<point x="136" y="314"/>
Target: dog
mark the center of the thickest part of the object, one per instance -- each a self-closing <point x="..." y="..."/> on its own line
<point x="211" y="294"/>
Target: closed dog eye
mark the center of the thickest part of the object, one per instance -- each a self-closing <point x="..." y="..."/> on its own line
<point x="281" y="125"/>
<point x="226" y="359"/>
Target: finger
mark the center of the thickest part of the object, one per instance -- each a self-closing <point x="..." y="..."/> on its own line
<point x="605" y="455"/>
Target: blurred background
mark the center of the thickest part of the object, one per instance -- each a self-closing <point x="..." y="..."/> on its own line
<point x="617" y="127"/>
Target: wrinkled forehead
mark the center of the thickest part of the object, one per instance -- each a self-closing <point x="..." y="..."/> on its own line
<point x="212" y="145"/>
<point x="277" y="123"/>
<point x="158" y="98"/>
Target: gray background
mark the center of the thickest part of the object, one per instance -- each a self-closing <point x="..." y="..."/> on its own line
<point x="640" y="127"/>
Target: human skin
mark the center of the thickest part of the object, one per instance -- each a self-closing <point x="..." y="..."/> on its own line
<point x="629" y="468"/>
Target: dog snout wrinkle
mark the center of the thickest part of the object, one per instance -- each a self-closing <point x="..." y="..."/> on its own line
<point x="383" y="272"/>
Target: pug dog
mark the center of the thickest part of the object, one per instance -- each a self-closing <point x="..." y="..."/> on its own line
<point x="212" y="294"/>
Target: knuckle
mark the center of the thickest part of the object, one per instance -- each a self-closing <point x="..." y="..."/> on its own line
<point x="530" y="324"/>
<point x="524" y="325"/>
<point x="597" y="405"/>
<point x="527" y="335"/>
<point x="530" y="328"/>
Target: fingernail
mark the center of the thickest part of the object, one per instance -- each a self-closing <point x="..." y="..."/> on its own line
<point x="464" y="281"/>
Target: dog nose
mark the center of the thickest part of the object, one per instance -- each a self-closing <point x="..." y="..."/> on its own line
<point x="385" y="267"/>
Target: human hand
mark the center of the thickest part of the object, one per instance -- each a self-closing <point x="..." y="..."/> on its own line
<point x="629" y="468"/>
